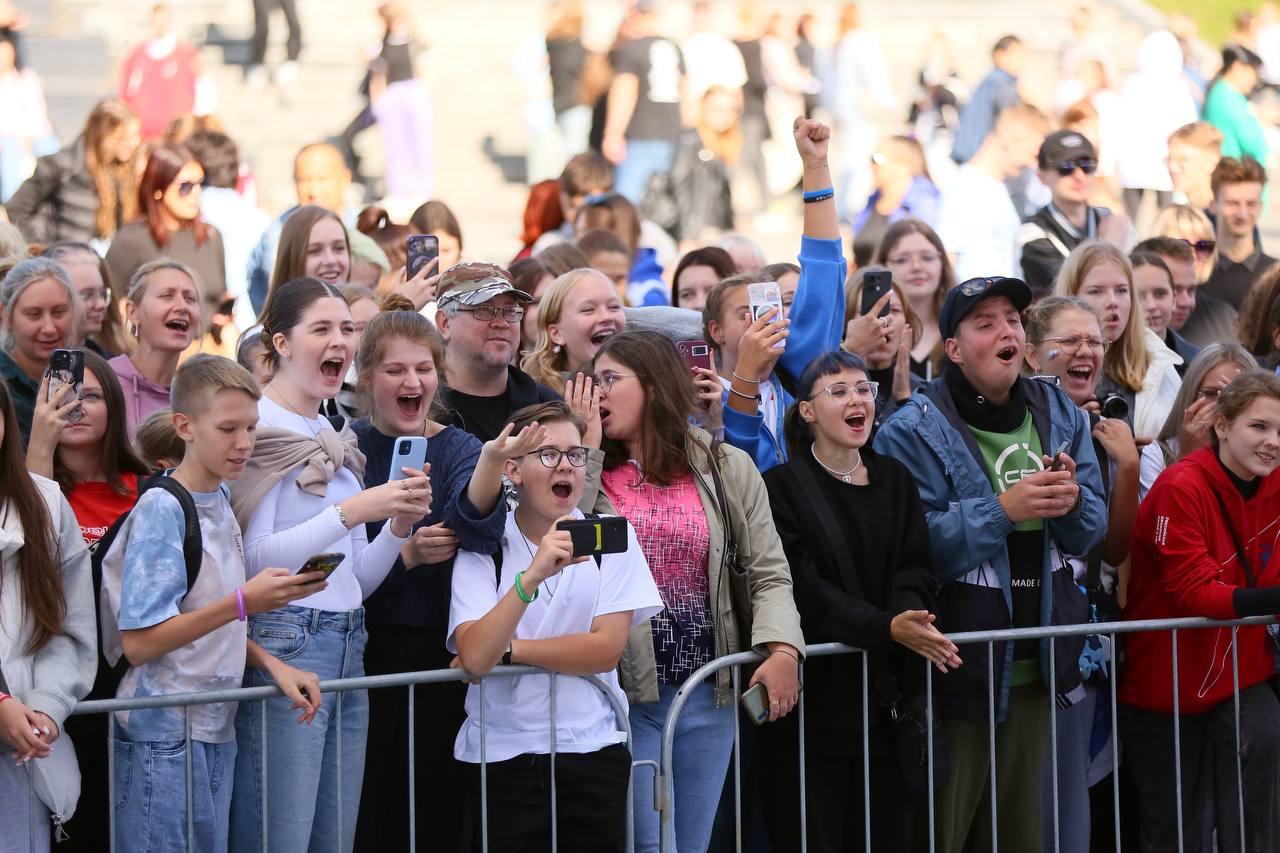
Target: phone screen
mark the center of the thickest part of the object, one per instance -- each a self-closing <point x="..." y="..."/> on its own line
<point x="325" y="564"/>
<point x="421" y="249"/>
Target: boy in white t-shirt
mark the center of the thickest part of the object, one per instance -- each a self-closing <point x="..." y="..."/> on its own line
<point x="545" y="608"/>
<point x="180" y="640"/>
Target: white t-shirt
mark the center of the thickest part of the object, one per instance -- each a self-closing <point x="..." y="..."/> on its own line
<point x="517" y="709"/>
<point x="979" y="225"/>
<point x="289" y="525"/>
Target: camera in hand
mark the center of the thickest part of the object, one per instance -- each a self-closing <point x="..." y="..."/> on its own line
<point x="1114" y="406"/>
<point x="603" y="535"/>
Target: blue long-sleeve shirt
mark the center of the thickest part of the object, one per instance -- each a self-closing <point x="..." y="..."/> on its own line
<point x="817" y="326"/>
<point x="998" y="90"/>
<point x="419" y="597"/>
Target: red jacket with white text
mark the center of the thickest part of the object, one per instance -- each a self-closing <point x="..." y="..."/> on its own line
<point x="1185" y="563"/>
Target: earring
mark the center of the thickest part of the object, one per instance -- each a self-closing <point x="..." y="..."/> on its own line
<point x="133" y="330"/>
<point x="159" y="196"/>
<point x="556" y="348"/>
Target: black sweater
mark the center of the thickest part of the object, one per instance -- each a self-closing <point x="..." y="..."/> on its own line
<point x="884" y="525"/>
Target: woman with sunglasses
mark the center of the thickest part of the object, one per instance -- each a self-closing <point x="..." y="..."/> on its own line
<point x="855" y="537"/>
<point x="693" y="502"/>
<point x="170" y="225"/>
<point x="1137" y="366"/>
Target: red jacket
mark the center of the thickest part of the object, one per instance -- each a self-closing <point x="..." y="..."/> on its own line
<point x="1184" y="563"/>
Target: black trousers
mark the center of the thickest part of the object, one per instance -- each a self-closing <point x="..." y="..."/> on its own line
<point x="591" y="802"/>
<point x="383" y="824"/>
<point x="835" y="817"/>
<point x="262" y="26"/>
<point x="1210" y="798"/>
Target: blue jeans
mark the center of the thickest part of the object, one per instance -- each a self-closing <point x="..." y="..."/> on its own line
<point x="644" y="157"/>
<point x="703" y="744"/>
<point x="313" y="772"/>
<point x="151" y="801"/>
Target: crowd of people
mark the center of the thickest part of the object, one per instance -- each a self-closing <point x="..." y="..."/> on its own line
<point x="298" y="455"/>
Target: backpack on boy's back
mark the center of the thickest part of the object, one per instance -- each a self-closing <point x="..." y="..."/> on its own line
<point x="108" y="578"/>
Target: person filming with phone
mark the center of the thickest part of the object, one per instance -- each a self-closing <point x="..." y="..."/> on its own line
<point x="1009" y="481"/>
<point x="543" y="599"/>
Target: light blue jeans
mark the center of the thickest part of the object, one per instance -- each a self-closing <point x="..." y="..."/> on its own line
<point x="313" y="772"/>
<point x="644" y="157"/>
<point x="151" y="801"/>
<point x="703" y="745"/>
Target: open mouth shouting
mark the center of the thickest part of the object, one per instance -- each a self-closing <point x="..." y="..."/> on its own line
<point x="857" y="422"/>
<point x="1008" y="354"/>
<point x="562" y="489"/>
<point x="409" y="406"/>
<point x="331" y="369"/>
<point x="180" y="324"/>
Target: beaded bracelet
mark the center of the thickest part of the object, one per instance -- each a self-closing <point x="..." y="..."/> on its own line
<point x="735" y="375"/>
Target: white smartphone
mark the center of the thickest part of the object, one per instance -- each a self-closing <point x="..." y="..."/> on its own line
<point x="763" y="296"/>
<point x="410" y="452"/>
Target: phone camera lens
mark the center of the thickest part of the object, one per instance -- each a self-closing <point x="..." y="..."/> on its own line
<point x="404" y="448"/>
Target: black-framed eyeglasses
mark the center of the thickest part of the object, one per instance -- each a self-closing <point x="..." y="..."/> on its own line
<point x="1073" y="343"/>
<point x="551" y="456"/>
<point x="1208" y="393"/>
<point x="487" y="313"/>
<point x="1088" y="165"/>
<point x="842" y="391"/>
<point x="605" y="379"/>
<point x="1202" y="248"/>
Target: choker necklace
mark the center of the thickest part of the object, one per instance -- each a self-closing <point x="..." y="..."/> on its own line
<point x="843" y="476"/>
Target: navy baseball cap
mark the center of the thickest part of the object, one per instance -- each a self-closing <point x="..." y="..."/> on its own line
<point x="961" y="299"/>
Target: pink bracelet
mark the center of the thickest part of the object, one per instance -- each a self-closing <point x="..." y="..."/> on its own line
<point x="240" y="611"/>
<point x="4" y="696"/>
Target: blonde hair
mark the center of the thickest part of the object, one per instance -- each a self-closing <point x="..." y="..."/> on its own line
<point x="1126" y="361"/>
<point x="1178" y="220"/>
<point x="544" y="363"/>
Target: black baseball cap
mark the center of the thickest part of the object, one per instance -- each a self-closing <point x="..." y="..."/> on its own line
<point x="1063" y="145"/>
<point x="961" y="299"/>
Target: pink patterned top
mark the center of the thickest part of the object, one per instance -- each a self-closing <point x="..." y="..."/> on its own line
<point x="672" y="528"/>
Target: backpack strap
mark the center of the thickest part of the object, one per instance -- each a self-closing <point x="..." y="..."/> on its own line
<point x="192" y="540"/>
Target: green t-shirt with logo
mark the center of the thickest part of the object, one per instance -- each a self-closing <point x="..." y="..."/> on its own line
<point x="1008" y="457"/>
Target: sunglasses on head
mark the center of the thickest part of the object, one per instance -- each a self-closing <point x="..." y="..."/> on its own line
<point x="1203" y="248"/>
<point x="1088" y="165"/>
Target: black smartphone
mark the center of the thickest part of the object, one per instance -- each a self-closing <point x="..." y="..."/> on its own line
<point x="66" y="368"/>
<point x="325" y="564"/>
<point x="695" y="353"/>
<point x="422" y="248"/>
<point x="597" y="535"/>
<point x="875" y="284"/>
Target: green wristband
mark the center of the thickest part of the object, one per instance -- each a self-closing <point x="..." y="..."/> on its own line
<point x="527" y="599"/>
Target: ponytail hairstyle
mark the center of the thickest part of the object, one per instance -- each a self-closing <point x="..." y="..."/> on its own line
<point x="396" y="320"/>
<point x="117" y="453"/>
<point x="796" y="430"/>
<point x="39" y="576"/>
<point x="284" y="310"/>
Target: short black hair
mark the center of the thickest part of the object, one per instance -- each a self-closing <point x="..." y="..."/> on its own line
<point x="218" y="156"/>
<point x="1005" y="43"/>
<point x="1235" y="54"/>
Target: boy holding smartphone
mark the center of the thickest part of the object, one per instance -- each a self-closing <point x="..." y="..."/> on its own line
<point x="181" y="637"/>
<point x="535" y="603"/>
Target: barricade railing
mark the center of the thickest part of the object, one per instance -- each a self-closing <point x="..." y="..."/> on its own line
<point x="340" y="687"/>
<point x="664" y="791"/>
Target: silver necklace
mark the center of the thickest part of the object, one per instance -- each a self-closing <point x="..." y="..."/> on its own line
<point x="272" y="391"/>
<point x="843" y="476"/>
<point x="551" y="593"/>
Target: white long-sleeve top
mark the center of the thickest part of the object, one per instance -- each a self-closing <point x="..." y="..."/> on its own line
<point x="289" y="525"/>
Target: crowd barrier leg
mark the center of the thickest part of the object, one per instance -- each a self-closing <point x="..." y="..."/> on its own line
<point x="266" y="843"/>
<point x="413" y="799"/>
<point x="555" y="835"/>
<point x="338" y="722"/>
<point x="866" y="754"/>
<point x="484" y="778"/>
<point x="1053" y="743"/>
<point x="1235" y="676"/>
<point x="991" y="742"/>
<point x="737" y="764"/>
<point x="112" y="799"/>
<point x="1177" y="746"/>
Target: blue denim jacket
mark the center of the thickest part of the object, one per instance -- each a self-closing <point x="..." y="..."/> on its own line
<point x="817" y="327"/>
<point x="968" y="532"/>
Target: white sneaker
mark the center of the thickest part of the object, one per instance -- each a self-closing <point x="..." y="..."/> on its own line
<point x="286" y="73"/>
<point x="255" y="78"/>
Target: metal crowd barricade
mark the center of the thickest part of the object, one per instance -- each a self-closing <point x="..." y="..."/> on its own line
<point x="664" y="791"/>
<point x="340" y="687"/>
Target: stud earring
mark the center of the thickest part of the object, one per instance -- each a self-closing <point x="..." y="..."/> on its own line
<point x="556" y="348"/>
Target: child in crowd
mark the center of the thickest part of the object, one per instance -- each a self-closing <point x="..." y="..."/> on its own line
<point x="185" y="638"/>
<point x="47" y="657"/>
<point x="250" y="355"/>
<point x="540" y="605"/>
<point x="158" y="442"/>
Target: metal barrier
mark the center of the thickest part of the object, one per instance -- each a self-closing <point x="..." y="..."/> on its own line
<point x="664" y="791"/>
<point x="341" y="686"/>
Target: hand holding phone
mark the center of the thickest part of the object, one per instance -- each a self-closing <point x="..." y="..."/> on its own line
<point x="875" y="284"/>
<point x="410" y="452"/>
<point x="325" y="564"/>
<point x="763" y="297"/>
<point x="421" y="249"/>
<point x="695" y="354"/>
<point x="592" y="536"/>
<point x="755" y="701"/>
<point x="1057" y="456"/>
<point x="66" y="368"/>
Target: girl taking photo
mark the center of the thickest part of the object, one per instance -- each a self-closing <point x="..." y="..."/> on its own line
<point x="39" y="312"/>
<point x="914" y="253"/>
<point x="692" y="502"/>
<point x="300" y="495"/>
<point x="854" y="533"/>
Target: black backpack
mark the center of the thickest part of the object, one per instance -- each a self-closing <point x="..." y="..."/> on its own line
<point x="108" y="678"/>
